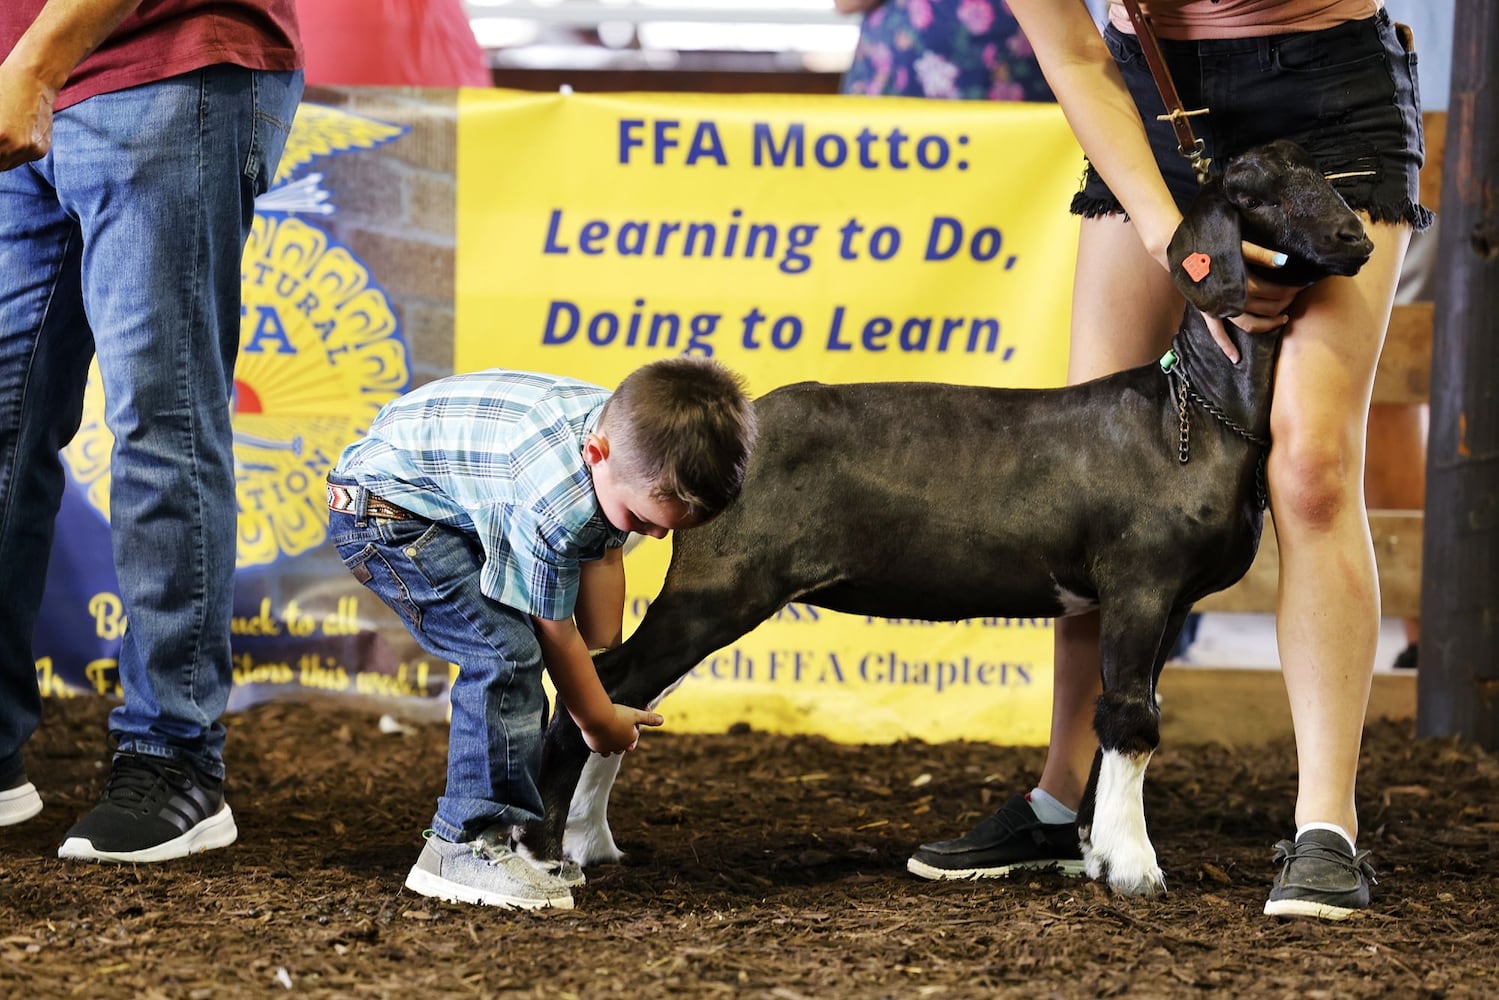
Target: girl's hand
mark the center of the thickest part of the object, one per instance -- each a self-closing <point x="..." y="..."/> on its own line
<point x="1265" y="306"/>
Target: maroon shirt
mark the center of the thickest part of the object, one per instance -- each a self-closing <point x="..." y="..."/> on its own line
<point x="163" y="38"/>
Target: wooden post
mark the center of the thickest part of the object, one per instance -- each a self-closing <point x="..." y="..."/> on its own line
<point x="1457" y="687"/>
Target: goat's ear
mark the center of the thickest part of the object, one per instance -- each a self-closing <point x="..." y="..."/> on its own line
<point x="1207" y="261"/>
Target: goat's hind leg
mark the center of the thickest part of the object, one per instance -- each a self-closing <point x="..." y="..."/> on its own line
<point x="1116" y="845"/>
<point x="683" y="625"/>
<point x="586" y="836"/>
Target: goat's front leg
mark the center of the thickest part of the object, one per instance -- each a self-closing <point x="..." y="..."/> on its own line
<point x="1116" y="845"/>
<point x="575" y="782"/>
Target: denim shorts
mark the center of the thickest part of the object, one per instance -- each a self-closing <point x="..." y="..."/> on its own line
<point x="1347" y="94"/>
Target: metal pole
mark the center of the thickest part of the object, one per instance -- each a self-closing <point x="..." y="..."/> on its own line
<point x="1457" y="686"/>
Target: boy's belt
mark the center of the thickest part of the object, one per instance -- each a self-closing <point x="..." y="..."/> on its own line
<point x="342" y="499"/>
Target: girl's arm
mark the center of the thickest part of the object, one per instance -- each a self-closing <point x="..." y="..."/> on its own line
<point x="1103" y="116"/>
<point x="1101" y="112"/>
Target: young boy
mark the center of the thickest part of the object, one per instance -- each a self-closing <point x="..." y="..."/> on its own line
<point x="489" y="511"/>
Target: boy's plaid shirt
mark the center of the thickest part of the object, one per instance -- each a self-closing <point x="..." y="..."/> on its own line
<point x="498" y="454"/>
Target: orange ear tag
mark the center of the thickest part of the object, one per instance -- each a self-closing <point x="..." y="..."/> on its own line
<point x="1197" y="266"/>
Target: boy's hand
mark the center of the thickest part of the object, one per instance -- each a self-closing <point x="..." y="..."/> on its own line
<point x="620" y="731"/>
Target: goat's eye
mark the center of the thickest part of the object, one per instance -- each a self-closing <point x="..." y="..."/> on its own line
<point x="1250" y="204"/>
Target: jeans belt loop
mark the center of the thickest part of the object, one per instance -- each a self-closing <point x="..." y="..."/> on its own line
<point x="356" y="505"/>
<point x="361" y="506"/>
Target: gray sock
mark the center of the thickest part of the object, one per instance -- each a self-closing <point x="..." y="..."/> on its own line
<point x="1049" y="809"/>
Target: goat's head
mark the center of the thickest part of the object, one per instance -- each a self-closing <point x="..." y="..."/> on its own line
<point x="1275" y="196"/>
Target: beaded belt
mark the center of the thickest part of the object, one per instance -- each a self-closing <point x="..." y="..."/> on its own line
<point x="342" y="499"/>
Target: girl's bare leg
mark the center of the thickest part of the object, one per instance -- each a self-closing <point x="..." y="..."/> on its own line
<point x="1328" y="609"/>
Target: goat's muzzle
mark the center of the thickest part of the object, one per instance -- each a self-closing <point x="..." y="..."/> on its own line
<point x="1353" y="252"/>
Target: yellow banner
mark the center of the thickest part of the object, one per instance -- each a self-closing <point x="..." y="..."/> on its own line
<point x="830" y="238"/>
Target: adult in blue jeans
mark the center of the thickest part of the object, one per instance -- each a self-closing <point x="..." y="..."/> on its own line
<point x="134" y="138"/>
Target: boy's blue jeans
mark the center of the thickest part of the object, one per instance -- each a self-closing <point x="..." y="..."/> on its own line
<point x="429" y="575"/>
<point x="125" y="240"/>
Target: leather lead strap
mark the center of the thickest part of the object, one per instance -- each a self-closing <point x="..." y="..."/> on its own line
<point x="1187" y="142"/>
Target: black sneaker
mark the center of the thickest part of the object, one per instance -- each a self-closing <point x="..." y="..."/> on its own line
<point x="18" y="800"/>
<point x="153" y="809"/>
<point x="1013" y="838"/>
<point x="1320" y="877"/>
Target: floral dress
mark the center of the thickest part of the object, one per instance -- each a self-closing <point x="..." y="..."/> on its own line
<point x="959" y="49"/>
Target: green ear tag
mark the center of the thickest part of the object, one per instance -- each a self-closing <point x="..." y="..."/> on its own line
<point x="1168" y="361"/>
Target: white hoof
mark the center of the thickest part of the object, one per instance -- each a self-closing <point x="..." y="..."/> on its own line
<point x="1149" y="882"/>
<point x="1136" y="875"/>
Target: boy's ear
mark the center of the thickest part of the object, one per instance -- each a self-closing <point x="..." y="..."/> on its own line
<point x="1207" y="261"/>
<point x="595" y="448"/>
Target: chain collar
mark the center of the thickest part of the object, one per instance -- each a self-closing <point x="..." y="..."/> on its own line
<point x="1184" y="393"/>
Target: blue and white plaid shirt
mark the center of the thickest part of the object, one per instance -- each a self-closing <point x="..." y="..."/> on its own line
<point x="499" y="454"/>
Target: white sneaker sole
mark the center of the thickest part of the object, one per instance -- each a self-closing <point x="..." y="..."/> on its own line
<point x="1308" y="908"/>
<point x="921" y="869"/>
<point x="425" y="883"/>
<point x="17" y="805"/>
<point x="214" y="832"/>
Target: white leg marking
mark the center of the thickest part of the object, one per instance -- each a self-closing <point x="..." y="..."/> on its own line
<point x="1119" y="848"/>
<point x="587" y="838"/>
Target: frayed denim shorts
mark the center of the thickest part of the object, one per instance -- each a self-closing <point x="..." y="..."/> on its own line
<point x="1347" y="94"/>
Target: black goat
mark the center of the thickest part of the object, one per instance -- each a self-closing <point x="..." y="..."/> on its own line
<point x="1136" y="494"/>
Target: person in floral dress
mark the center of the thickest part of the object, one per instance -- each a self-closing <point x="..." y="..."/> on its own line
<point x="952" y="49"/>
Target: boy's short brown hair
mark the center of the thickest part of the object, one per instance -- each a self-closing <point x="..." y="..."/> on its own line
<point x="684" y="427"/>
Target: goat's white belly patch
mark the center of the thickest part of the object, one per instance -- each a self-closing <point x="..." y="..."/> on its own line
<point x="1073" y="604"/>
